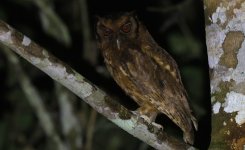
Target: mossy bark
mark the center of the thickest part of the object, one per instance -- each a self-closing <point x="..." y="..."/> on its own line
<point x="225" y="30"/>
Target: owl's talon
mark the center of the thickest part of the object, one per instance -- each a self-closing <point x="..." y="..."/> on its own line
<point x="135" y="113"/>
<point x="160" y="127"/>
<point x="149" y="121"/>
<point x="146" y="118"/>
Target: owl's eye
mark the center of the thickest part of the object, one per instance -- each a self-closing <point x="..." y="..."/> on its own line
<point x="107" y="32"/>
<point x="126" y="28"/>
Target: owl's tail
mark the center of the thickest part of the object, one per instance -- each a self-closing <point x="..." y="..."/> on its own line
<point x="194" y="121"/>
<point x="189" y="135"/>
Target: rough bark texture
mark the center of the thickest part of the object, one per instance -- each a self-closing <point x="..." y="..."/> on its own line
<point x="225" y="28"/>
<point x="91" y="94"/>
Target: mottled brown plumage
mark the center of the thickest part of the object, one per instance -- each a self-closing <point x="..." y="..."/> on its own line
<point x="144" y="70"/>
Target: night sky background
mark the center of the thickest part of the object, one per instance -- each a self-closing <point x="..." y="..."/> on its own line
<point x="176" y="25"/>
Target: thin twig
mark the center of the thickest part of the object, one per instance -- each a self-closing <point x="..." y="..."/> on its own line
<point x="70" y="125"/>
<point x="90" y="93"/>
<point x="89" y="52"/>
<point x="90" y="130"/>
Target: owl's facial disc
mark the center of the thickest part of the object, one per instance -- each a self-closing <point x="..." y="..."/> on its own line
<point x="118" y="31"/>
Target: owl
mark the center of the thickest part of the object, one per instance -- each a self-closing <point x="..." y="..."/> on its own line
<point x="144" y="70"/>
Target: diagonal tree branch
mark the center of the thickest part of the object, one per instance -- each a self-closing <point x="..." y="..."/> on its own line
<point x="35" y="100"/>
<point x="70" y="126"/>
<point x="87" y="91"/>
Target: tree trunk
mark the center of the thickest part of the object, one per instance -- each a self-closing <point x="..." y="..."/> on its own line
<point x="225" y="28"/>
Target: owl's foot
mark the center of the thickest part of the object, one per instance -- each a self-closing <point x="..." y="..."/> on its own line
<point x="148" y="114"/>
<point x="149" y="121"/>
<point x="160" y="127"/>
<point x="136" y="113"/>
<point x="146" y="119"/>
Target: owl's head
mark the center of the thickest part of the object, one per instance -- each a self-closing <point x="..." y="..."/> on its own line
<point x="116" y="31"/>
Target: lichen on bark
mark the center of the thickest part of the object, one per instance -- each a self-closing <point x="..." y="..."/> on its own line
<point x="231" y="45"/>
<point x="225" y="22"/>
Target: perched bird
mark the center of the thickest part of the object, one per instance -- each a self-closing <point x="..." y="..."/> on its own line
<point x="144" y="70"/>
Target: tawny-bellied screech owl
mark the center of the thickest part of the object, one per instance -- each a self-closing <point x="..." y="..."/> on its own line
<point x="144" y="70"/>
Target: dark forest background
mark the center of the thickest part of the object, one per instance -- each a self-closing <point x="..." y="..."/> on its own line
<point x="66" y="29"/>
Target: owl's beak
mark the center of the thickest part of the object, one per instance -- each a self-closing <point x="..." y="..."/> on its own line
<point x="118" y="44"/>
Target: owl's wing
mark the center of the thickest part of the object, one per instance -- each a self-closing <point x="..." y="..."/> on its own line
<point x="170" y="76"/>
<point x="167" y="65"/>
<point x="157" y="75"/>
<point x="156" y="79"/>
